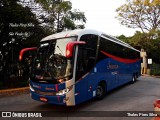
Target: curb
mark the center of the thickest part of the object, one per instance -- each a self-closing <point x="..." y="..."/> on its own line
<point x="14" y="91"/>
<point x="146" y="75"/>
<point x="25" y="90"/>
<point x="155" y="76"/>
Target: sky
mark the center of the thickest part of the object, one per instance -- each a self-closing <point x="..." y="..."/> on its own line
<point x="101" y="15"/>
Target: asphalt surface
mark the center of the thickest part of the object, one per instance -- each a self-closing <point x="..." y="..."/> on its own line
<point x="130" y="97"/>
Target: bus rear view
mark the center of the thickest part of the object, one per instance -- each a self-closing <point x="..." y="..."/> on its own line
<point x="75" y="66"/>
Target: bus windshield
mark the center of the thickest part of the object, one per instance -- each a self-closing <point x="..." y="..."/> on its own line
<point x="51" y="62"/>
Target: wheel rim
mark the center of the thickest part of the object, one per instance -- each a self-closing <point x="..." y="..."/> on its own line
<point x="99" y="91"/>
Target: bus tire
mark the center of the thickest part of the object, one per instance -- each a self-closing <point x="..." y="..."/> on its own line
<point x="100" y="91"/>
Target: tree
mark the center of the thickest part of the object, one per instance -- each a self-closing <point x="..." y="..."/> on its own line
<point x="143" y="14"/>
<point x="151" y="44"/>
<point x="124" y="38"/>
<point x="12" y="32"/>
<point x="59" y="16"/>
<point x="15" y="34"/>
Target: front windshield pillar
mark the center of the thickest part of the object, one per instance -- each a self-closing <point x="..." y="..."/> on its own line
<point x="68" y="68"/>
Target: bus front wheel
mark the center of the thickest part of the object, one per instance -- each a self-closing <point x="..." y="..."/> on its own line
<point x="101" y="91"/>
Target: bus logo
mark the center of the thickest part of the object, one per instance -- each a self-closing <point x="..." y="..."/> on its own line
<point x="6" y="114"/>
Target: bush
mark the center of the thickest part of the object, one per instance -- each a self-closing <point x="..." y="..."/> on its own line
<point x="155" y="69"/>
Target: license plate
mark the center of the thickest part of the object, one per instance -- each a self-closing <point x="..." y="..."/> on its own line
<point x="43" y="99"/>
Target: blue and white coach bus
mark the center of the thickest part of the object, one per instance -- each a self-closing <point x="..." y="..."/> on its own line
<point x="75" y="66"/>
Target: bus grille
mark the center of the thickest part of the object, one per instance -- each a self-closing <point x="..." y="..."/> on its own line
<point x="45" y="93"/>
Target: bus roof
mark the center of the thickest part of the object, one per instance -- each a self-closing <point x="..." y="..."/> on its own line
<point x="79" y="32"/>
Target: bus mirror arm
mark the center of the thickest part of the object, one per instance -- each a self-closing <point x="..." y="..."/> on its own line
<point x="25" y="50"/>
<point x="70" y="47"/>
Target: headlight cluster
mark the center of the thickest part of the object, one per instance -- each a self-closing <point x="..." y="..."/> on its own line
<point x="64" y="91"/>
<point x="31" y="88"/>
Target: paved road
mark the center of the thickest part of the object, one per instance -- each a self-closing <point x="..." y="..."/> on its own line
<point x="131" y="97"/>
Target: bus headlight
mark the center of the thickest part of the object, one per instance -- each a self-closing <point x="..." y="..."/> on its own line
<point x="31" y="88"/>
<point x="64" y="91"/>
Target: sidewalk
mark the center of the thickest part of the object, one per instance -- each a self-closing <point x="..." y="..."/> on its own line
<point x="146" y="75"/>
<point x="14" y="91"/>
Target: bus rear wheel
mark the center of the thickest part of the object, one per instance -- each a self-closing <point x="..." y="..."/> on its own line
<point x="101" y="91"/>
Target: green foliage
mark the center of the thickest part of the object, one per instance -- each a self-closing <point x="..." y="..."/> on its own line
<point x="46" y="16"/>
<point x="60" y="16"/>
<point x="124" y="38"/>
<point x="155" y="69"/>
<point x="14" y="37"/>
<point x="143" y="14"/>
<point x="150" y="42"/>
<point x="1" y="85"/>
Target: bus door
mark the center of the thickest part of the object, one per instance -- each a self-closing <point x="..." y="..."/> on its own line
<point x="85" y="65"/>
<point x="81" y="84"/>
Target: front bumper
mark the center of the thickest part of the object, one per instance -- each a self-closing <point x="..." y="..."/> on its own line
<point x="58" y="100"/>
<point x="58" y="94"/>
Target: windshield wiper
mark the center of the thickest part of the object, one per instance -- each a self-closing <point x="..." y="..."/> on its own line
<point x="60" y="50"/>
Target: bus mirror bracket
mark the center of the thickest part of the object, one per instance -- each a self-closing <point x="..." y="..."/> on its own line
<point x="25" y="50"/>
<point x="70" y="47"/>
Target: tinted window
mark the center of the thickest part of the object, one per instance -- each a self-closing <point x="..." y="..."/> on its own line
<point x="116" y="50"/>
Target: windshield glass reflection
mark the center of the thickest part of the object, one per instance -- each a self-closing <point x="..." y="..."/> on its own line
<point x="51" y="62"/>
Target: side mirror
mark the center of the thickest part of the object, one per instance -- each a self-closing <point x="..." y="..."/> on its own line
<point x="70" y="46"/>
<point x="25" y="50"/>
